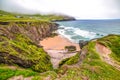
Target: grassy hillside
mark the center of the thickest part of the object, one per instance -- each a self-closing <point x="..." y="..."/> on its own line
<point x="92" y="67"/>
<point x="23" y="52"/>
<point x="19" y="46"/>
<point x="113" y="42"/>
<point x="6" y="16"/>
<point x="19" y="38"/>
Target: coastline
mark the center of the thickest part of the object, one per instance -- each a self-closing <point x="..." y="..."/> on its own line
<point x="57" y="43"/>
<point x="55" y="47"/>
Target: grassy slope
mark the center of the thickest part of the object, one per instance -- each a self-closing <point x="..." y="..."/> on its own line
<point x="6" y="72"/>
<point x="71" y="60"/>
<point x="22" y="47"/>
<point x="112" y="42"/>
<point x="93" y="67"/>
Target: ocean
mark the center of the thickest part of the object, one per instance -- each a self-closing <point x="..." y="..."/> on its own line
<point x="88" y="29"/>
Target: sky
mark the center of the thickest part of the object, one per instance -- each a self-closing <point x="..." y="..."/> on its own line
<point x="82" y="9"/>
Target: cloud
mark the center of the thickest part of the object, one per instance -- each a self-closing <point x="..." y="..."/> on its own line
<point x="83" y="9"/>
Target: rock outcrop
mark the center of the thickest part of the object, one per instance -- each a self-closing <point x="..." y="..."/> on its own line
<point x="34" y="30"/>
<point x="19" y="44"/>
<point x="82" y="43"/>
<point x="65" y="18"/>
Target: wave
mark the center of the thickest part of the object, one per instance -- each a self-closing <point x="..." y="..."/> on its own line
<point x="75" y="34"/>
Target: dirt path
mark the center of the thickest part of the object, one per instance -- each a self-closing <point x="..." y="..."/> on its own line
<point x="104" y="54"/>
<point x="58" y="55"/>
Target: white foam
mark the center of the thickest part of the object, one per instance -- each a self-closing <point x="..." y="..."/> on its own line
<point x="75" y="32"/>
<point x="85" y="34"/>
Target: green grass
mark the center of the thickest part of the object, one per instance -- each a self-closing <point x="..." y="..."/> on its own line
<point x="71" y="60"/>
<point x="6" y="72"/>
<point x="51" y="74"/>
<point x="92" y="68"/>
<point x="25" y="50"/>
<point x="112" y="42"/>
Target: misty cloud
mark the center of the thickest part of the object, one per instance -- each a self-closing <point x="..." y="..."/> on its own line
<point x="83" y="9"/>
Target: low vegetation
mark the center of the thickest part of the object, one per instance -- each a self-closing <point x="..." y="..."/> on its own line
<point x="112" y="42"/>
<point x="8" y="72"/>
<point x="23" y="52"/>
<point x="92" y="68"/>
<point x="71" y="60"/>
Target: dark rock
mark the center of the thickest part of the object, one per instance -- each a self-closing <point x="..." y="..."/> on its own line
<point x="4" y="23"/>
<point x="98" y="34"/>
<point x="6" y="58"/>
<point x="61" y="28"/>
<point x="35" y="31"/>
<point x="65" y="18"/>
<point x="82" y="43"/>
<point x="70" y="48"/>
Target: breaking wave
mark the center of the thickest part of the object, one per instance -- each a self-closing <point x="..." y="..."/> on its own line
<point x="75" y="34"/>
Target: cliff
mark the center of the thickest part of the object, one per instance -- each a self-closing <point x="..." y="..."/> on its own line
<point x="18" y="44"/>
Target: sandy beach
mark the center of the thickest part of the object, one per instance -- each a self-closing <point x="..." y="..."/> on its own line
<point x="54" y="46"/>
<point x="57" y="43"/>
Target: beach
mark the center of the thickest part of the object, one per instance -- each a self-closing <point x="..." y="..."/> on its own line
<point x="57" y="43"/>
<point x="54" y="46"/>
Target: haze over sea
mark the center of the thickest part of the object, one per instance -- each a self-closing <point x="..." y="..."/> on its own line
<point x="88" y="29"/>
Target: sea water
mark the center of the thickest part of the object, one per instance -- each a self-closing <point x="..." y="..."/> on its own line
<point x="88" y="29"/>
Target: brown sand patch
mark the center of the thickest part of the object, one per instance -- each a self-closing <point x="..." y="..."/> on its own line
<point x="57" y="43"/>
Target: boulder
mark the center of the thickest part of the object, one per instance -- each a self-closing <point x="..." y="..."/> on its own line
<point x="70" y="48"/>
<point x="82" y="43"/>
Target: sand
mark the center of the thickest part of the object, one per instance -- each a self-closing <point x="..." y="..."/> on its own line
<point x="57" y="43"/>
<point x="55" y="48"/>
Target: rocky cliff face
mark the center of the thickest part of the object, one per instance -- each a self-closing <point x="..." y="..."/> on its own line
<point x="18" y="44"/>
<point x="34" y="30"/>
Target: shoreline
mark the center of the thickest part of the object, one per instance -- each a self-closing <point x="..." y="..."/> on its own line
<point x="55" y="48"/>
<point x="57" y="43"/>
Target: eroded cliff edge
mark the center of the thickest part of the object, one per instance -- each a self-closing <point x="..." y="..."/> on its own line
<point x="19" y="44"/>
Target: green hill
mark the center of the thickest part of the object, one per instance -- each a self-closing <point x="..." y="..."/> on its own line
<point x="91" y="66"/>
<point x="6" y="16"/>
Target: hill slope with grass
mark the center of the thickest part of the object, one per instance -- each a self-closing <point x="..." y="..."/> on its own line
<point x="19" y="43"/>
<point x="22" y="58"/>
<point x="91" y="66"/>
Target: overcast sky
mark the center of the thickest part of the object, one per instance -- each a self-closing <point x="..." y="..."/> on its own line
<point x="83" y="9"/>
